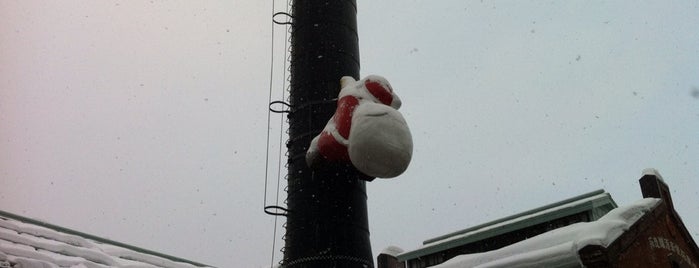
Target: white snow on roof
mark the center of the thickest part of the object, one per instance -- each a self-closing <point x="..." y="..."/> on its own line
<point x="559" y="247"/>
<point x="33" y="246"/>
<point x="392" y="251"/>
<point x="653" y="172"/>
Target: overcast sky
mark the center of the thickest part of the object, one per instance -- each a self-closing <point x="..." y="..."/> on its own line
<point x="145" y="121"/>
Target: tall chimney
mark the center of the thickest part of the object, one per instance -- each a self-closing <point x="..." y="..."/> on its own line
<point x="327" y="224"/>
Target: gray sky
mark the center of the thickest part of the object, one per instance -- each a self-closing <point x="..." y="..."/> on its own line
<point x="145" y="121"/>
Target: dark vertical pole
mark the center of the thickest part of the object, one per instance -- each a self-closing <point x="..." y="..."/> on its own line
<point x="327" y="223"/>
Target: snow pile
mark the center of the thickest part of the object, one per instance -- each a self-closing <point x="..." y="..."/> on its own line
<point x="31" y="246"/>
<point x="29" y="263"/>
<point x="366" y="130"/>
<point x="652" y="172"/>
<point x="558" y="247"/>
<point x="392" y="251"/>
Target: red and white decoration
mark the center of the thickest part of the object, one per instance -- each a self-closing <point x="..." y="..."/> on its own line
<point x="366" y="130"/>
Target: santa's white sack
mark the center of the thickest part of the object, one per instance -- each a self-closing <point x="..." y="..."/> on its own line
<point x="366" y="130"/>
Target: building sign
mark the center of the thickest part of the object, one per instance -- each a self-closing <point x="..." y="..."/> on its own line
<point x="656" y="242"/>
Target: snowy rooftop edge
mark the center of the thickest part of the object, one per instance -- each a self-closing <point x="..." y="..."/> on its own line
<point x="25" y="241"/>
<point x="534" y="213"/>
<point x="538" y="211"/>
<point x="559" y="246"/>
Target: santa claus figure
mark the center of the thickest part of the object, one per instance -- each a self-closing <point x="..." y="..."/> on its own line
<point x="366" y="130"/>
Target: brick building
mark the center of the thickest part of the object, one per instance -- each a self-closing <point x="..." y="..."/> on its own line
<point x="584" y="231"/>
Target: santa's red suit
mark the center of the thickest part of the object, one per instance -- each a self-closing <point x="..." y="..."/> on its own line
<point x="366" y="130"/>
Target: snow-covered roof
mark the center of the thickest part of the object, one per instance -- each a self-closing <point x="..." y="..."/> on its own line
<point x="29" y="243"/>
<point x="597" y="203"/>
<point x="559" y="247"/>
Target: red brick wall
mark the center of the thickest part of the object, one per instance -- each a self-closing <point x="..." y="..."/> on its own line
<point x="660" y="245"/>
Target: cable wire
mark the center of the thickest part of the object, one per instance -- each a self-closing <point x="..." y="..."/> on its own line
<point x="276" y="210"/>
<point x="269" y="120"/>
<point x="281" y="126"/>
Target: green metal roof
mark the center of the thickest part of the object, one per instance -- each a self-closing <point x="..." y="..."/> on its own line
<point x="596" y="203"/>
